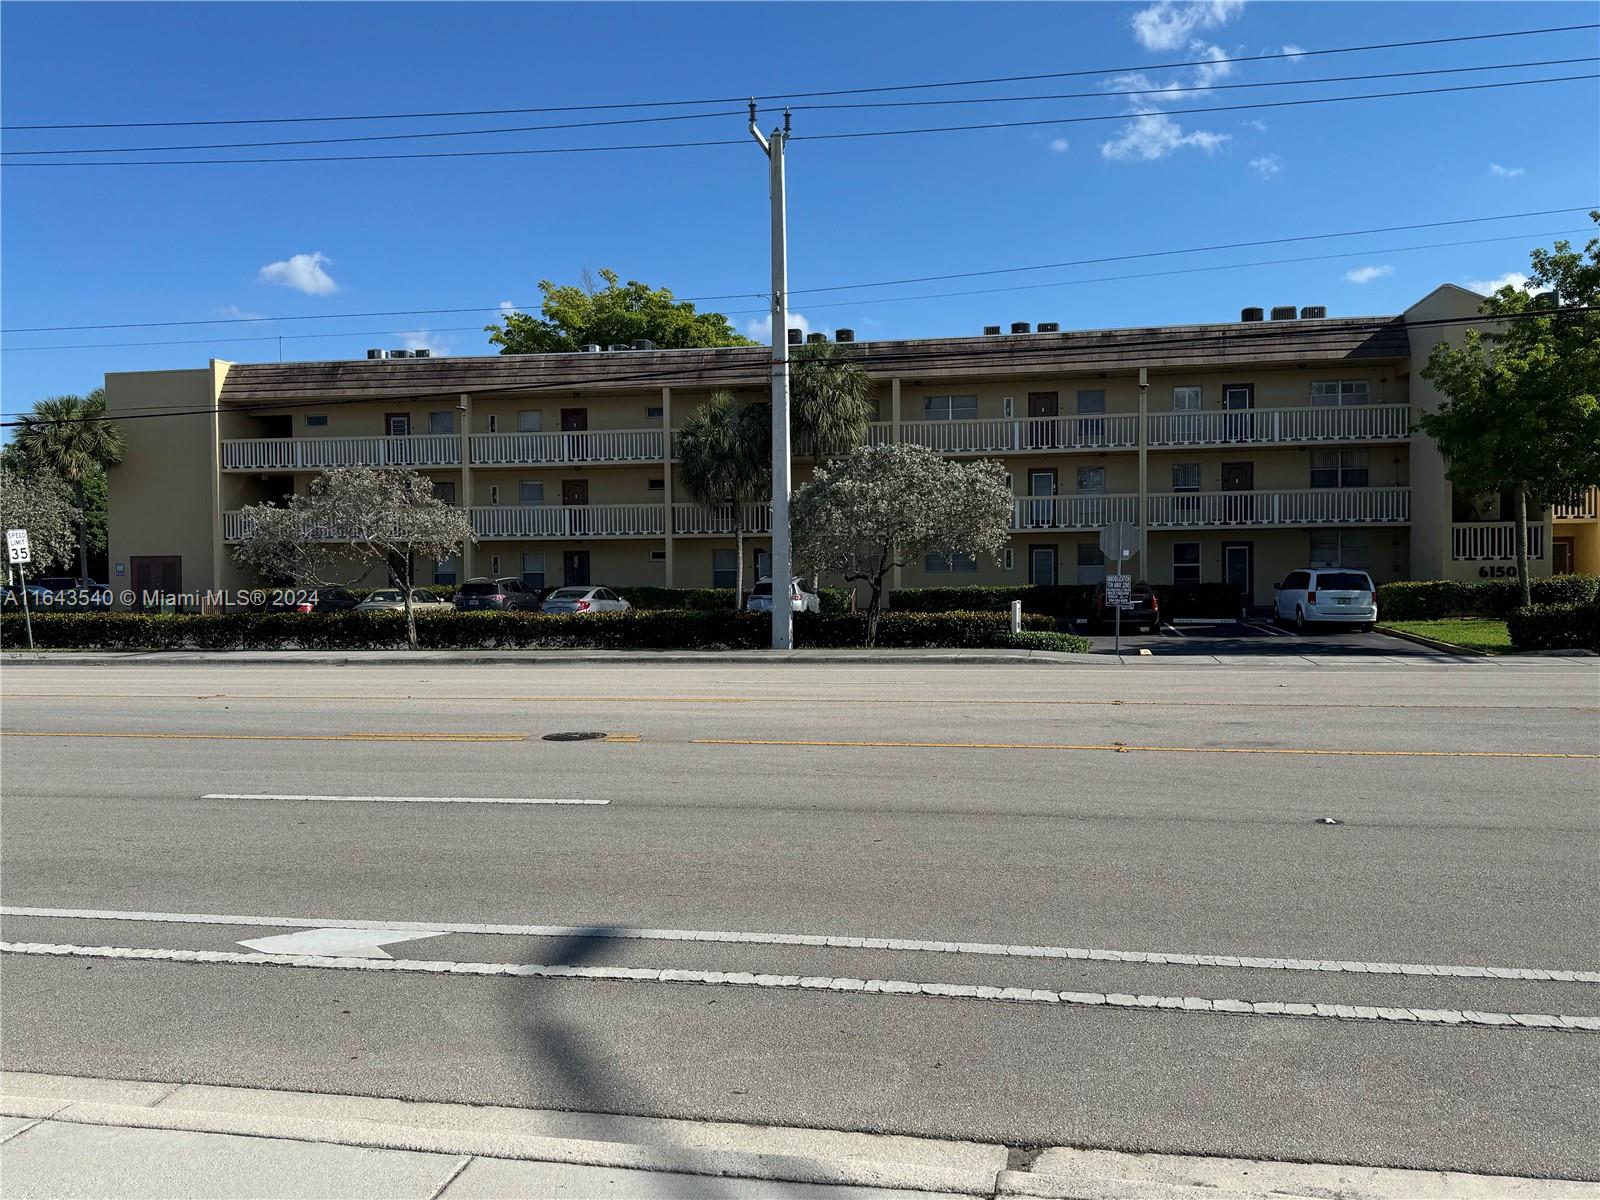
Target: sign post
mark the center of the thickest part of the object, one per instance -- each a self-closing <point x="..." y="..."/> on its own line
<point x="1118" y="542"/>
<point x="18" y="552"/>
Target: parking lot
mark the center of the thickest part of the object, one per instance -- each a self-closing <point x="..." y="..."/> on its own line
<point x="1259" y="636"/>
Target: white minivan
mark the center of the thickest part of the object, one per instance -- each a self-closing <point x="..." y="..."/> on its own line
<point x="1326" y="595"/>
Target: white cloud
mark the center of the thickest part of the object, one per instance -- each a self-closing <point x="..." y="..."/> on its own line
<point x="1156" y="135"/>
<point x="507" y="307"/>
<point x="1213" y="68"/>
<point x="303" y="273"/>
<point x="1295" y="53"/>
<point x="1168" y="24"/>
<point x="1488" y="287"/>
<point x="1060" y="145"/>
<point x="761" y="330"/>
<point x="1258" y="126"/>
<point x="1368" y="274"/>
<point x="1267" y="165"/>
<point x="234" y="313"/>
<point x="421" y="339"/>
<point x="1504" y="172"/>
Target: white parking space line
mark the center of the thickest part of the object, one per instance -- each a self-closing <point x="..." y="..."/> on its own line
<point x="893" y="987"/>
<point x="1264" y="627"/>
<point x="395" y="799"/>
<point x="991" y="949"/>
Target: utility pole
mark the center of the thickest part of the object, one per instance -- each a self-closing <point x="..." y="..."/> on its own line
<point x="782" y="564"/>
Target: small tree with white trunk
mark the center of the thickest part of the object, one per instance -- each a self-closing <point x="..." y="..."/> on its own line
<point x="881" y="507"/>
<point x="40" y="502"/>
<point x="383" y="515"/>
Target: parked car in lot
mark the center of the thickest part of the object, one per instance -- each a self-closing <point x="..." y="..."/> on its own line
<point x="69" y="591"/>
<point x="584" y="600"/>
<point x="1142" y="612"/>
<point x="394" y="600"/>
<point x="800" y="600"/>
<point x="335" y="599"/>
<point x="506" y="594"/>
<point x="1326" y="595"/>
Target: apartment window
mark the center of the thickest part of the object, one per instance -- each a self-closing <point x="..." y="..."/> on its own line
<point x="1091" y="563"/>
<point x="1340" y="391"/>
<point x="1339" y="548"/>
<point x="397" y="424"/>
<point x="530" y="491"/>
<point x="724" y="568"/>
<point x="1091" y="480"/>
<point x="653" y="413"/>
<point x="1008" y="406"/>
<point x="656" y="485"/>
<point x="530" y="420"/>
<point x="941" y="564"/>
<point x="494" y="423"/>
<point x="950" y="408"/>
<point x="1186" y="477"/>
<point x="1008" y="560"/>
<point x="1339" y="468"/>
<point x="1011" y="483"/>
<point x="1186" y="562"/>
<point x="446" y="571"/>
<point x="658" y="556"/>
<point x="317" y="420"/>
<point x="494" y="493"/>
<point x="1186" y="399"/>
<point x="494" y="564"/>
<point x="532" y="568"/>
<point x="442" y="422"/>
<point x="444" y="490"/>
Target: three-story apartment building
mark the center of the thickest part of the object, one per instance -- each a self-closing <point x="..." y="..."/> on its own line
<point x="1240" y="450"/>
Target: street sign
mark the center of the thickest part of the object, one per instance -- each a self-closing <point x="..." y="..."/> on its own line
<point x="1119" y="589"/>
<point x="1118" y="541"/>
<point x="17" y="549"/>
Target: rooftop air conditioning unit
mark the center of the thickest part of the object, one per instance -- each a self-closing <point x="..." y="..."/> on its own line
<point x="399" y="354"/>
<point x="643" y="344"/>
<point x="590" y="347"/>
<point x="374" y="353"/>
<point x="844" y="335"/>
<point x="1283" y="312"/>
<point x="1020" y="327"/>
<point x="1049" y="327"/>
<point x="1251" y="314"/>
<point x="619" y="346"/>
<point x="796" y="336"/>
<point x="814" y="338"/>
<point x="1314" y="312"/>
<point x="422" y="354"/>
<point x="991" y="330"/>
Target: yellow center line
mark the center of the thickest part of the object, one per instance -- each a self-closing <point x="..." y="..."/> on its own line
<point x="1126" y="749"/>
<point x="278" y="737"/>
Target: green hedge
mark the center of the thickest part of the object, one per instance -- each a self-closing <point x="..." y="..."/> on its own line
<point x="639" y="630"/>
<point x="1555" y="627"/>
<point x="1033" y="639"/>
<point x="834" y="600"/>
<point x="1433" y="599"/>
<point x="1066" y="601"/>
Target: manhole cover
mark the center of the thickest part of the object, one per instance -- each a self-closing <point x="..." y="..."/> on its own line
<point x="585" y="735"/>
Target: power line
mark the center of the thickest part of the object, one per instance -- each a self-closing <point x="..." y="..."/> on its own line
<point x="1196" y="348"/>
<point x="781" y="96"/>
<point x="742" y="113"/>
<point x="815" y="137"/>
<point x="836" y="287"/>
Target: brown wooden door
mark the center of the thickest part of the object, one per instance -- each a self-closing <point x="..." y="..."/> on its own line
<point x="154" y="576"/>
<point x="575" y="496"/>
<point x="1043" y="432"/>
<point x="574" y="420"/>
<point x="1239" y="477"/>
<point x="574" y="491"/>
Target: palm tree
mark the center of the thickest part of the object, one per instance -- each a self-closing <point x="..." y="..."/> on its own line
<point x="831" y="404"/>
<point x="725" y="457"/>
<point x="70" y="437"/>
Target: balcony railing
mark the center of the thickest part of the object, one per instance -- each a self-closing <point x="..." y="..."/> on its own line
<point x="235" y="524"/>
<point x="1316" y="506"/>
<point x="1015" y="435"/>
<point x="1493" y="541"/>
<point x="1275" y="426"/>
<point x="1072" y="512"/>
<point x="1585" y="508"/>
<point x="321" y="453"/>
<point x="701" y="519"/>
<point x="587" y="446"/>
<point x="569" y="520"/>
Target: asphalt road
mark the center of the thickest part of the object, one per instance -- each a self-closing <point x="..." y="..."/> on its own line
<point x="1166" y="806"/>
<point x="1258" y="637"/>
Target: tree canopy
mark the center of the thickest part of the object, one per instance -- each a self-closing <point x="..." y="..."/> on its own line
<point x="831" y="402"/>
<point x="71" y="438"/>
<point x="879" y="507"/>
<point x="40" y="502"/>
<point x="576" y="315"/>
<point x="725" y="457"/>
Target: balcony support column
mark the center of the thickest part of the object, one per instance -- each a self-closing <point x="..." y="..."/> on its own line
<point x="666" y="476"/>
<point x="1142" y="440"/>
<point x="464" y="409"/>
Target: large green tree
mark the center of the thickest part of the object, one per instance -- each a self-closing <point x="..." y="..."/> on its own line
<point x="831" y="404"/>
<point x="576" y="315"/>
<point x="725" y="458"/>
<point x="39" y="502"/>
<point x="71" y="438"/>
<point x="1521" y="414"/>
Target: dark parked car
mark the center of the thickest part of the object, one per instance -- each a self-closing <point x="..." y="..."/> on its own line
<point x="1143" y="611"/>
<point x="70" y="591"/>
<point x="504" y="594"/>
<point x="336" y="599"/>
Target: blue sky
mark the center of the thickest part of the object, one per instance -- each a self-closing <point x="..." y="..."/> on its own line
<point x="138" y="244"/>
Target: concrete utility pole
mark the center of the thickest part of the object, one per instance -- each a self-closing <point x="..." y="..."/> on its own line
<point x="782" y="565"/>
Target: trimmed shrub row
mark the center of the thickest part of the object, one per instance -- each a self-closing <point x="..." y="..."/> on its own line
<point x="636" y="630"/>
<point x="1066" y="601"/>
<point x="1555" y="627"/>
<point x="834" y="600"/>
<point x="1433" y="599"/>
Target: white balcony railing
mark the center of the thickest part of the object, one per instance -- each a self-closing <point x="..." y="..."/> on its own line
<point x="1585" y="508"/>
<point x="1269" y="426"/>
<point x="321" y="453"/>
<point x="1073" y="512"/>
<point x="586" y="446"/>
<point x="1015" y="435"/>
<point x="1494" y="541"/>
<point x="702" y="519"/>
<point x="235" y="524"/>
<point x="1316" y="506"/>
<point x="569" y="520"/>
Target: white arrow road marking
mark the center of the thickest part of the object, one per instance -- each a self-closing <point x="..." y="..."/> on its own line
<point x="395" y="799"/>
<point x="337" y="943"/>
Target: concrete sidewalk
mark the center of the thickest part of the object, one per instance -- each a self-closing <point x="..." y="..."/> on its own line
<point x="62" y="1135"/>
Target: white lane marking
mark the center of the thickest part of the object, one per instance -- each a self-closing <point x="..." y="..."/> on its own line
<point x="893" y="987"/>
<point x="627" y="933"/>
<point x="337" y="943"/>
<point x="395" y="799"/>
<point x="1265" y="628"/>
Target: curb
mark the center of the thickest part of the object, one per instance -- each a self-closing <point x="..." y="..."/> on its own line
<point x="254" y="658"/>
<point x="1447" y="647"/>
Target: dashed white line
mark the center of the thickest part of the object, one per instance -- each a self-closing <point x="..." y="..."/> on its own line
<point x="824" y="983"/>
<point x="994" y="949"/>
<point x="395" y="799"/>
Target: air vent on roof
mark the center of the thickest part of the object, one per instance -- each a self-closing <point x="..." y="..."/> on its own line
<point x="1251" y="314"/>
<point x="1314" y="312"/>
<point x="1283" y="312"/>
<point x="643" y="344"/>
<point x="374" y="353"/>
<point x="1020" y="327"/>
<point x="618" y="346"/>
<point x="844" y="335"/>
<point x="796" y="336"/>
<point x="990" y="330"/>
<point x="1049" y="327"/>
<point x="399" y="354"/>
<point x="422" y="354"/>
<point x="816" y="337"/>
<point x="590" y="347"/>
